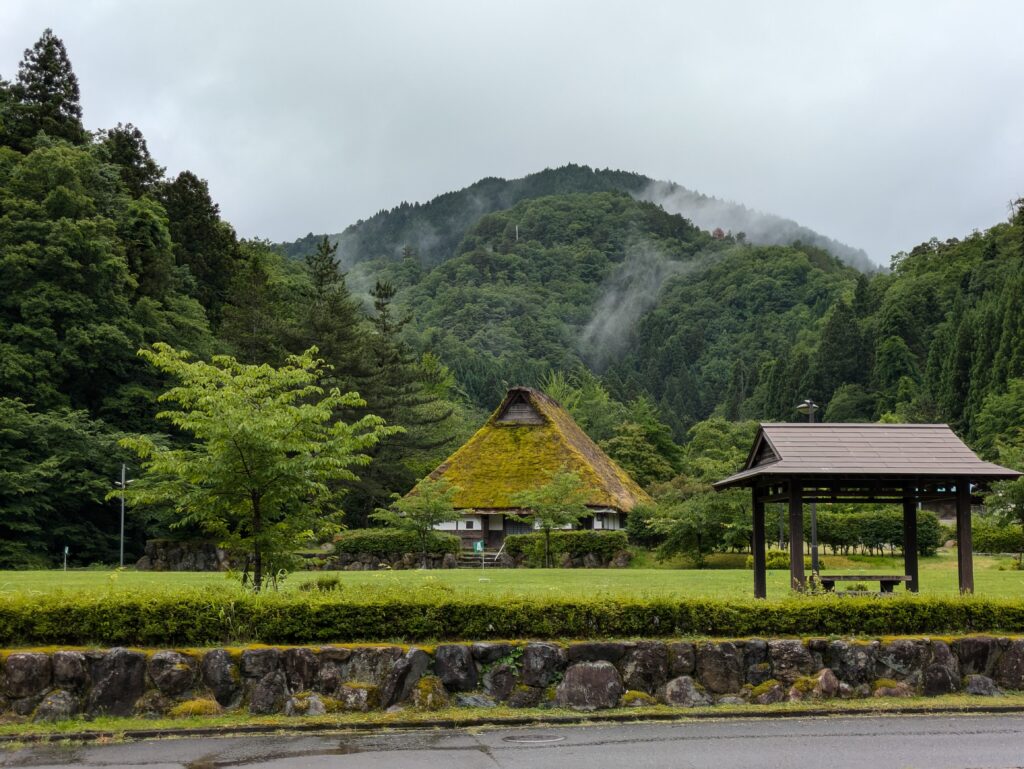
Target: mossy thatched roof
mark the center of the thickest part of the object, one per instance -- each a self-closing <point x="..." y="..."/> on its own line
<point x="506" y="457"/>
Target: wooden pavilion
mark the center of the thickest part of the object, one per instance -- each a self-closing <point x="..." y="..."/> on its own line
<point x="796" y="463"/>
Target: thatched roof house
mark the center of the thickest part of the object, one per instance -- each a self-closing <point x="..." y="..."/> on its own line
<point x="527" y="439"/>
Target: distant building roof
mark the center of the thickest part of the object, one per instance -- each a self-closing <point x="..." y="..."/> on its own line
<point x="525" y="441"/>
<point x="859" y="450"/>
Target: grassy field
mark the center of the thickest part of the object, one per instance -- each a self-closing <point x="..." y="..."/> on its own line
<point x="938" y="577"/>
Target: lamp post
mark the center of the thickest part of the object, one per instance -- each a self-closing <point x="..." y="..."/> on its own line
<point x="122" y="484"/>
<point x="808" y="407"/>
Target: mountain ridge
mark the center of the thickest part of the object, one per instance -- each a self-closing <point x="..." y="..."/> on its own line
<point x="435" y="228"/>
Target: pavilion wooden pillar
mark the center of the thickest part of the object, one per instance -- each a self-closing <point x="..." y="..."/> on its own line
<point x="760" y="569"/>
<point x="796" y="536"/>
<point x="964" y="541"/>
<point x="910" y="539"/>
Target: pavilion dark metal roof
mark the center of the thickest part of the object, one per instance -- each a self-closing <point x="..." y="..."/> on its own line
<point x="883" y="451"/>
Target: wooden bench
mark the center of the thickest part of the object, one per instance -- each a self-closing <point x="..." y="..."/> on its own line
<point x="886" y="583"/>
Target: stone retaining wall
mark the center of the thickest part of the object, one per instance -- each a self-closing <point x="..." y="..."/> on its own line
<point x="584" y="676"/>
<point x="395" y="561"/>
<point x="183" y="555"/>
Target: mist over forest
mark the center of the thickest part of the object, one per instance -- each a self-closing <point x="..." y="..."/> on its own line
<point x="657" y="315"/>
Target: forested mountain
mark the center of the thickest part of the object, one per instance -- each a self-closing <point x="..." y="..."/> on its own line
<point x="435" y="228"/>
<point x="659" y="336"/>
<point x="101" y="254"/>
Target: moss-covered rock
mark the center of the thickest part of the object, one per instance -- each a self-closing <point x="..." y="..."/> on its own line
<point x="201" y="706"/>
<point x="886" y="687"/>
<point x="429" y="694"/>
<point x="769" y="692"/>
<point x="356" y="696"/>
<point x="636" y="699"/>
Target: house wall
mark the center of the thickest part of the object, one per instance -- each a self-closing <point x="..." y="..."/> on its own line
<point x="492" y="528"/>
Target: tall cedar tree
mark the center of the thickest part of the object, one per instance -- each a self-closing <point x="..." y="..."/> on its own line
<point x="45" y="96"/>
<point x="254" y="316"/>
<point x="202" y="242"/>
<point x="405" y="393"/>
<point x="334" y="321"/>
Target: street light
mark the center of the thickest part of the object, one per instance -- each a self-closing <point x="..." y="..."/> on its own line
<point x="808" y="407"/>
<point x="123" y="484"/>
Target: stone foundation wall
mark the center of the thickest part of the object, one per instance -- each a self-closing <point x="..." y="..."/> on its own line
<point x="396" y="561"/>
<point x="185" y="555"/>
<point x="619" y="560"/>
<point x="584" y="676"/>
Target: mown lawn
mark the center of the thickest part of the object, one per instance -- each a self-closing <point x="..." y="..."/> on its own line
<point x="938" y="577"/>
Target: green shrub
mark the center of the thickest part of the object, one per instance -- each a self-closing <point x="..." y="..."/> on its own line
<point x="874" y="530"/>
<point x="205" y="617"/>
<point x="603" y="544"/>
<point x="929" y="533"/>
<point x="947" y="532"/>
<point x="323" y="584"/>
<point x="639" y="529"/>
<point x="990" y="537"/>
<point x="779" y="559"/>
<point x="385" y="542"/>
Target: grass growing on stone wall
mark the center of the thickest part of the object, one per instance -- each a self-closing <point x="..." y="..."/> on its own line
<point x="15" y="731"/>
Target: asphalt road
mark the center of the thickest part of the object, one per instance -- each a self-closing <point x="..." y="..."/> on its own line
<point x="901" y="742"/>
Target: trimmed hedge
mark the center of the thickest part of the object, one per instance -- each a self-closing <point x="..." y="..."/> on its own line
<point x="603" y="544"/>
<point x="988" y="537"/>
<point x="383" y="542"/>
<point x="214" y="617"/>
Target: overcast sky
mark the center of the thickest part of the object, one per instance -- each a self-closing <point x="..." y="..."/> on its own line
<point x="879" y="124"/>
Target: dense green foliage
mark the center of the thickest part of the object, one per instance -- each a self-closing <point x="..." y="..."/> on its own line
<point x="664" y="341"/>
<point x="872" y="531"/>
<point x="990" y="537"/>
<point x="575" y="544"/>
<point x="559" y="503"/>
<point x="436" y="227"/>
<point x="418" y="513"/>
<point x="389" y="542"/>
<point x="266" y="452"/>
<point x="101" y="255"/>
<point x="206" y="617"/>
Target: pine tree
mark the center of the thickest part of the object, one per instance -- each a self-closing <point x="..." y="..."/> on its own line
<point x="202" y="242"/>
<point x="255" y="316"/>
<point x="46" y="95"/>
<point x="405" y="391"/>
<point x="333" y="319"/>
<point x="839" y="359"/>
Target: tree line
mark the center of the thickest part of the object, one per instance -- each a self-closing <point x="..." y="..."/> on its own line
<point x="103" y="254"/>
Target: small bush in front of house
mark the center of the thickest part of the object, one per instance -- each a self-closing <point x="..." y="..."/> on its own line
<point x="640" y="530"/>
<point x="603" y="545"/>
<point x="387" y="542"/>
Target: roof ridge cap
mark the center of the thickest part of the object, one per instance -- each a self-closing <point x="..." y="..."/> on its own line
<point x="859" y="425"/>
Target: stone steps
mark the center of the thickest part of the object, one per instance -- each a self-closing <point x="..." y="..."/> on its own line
<point x="472" y="560"/>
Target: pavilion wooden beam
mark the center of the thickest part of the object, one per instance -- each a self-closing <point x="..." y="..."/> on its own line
<point x="760" y="567"/>
<point x="902" y="464"/>
<point x="796" y="537"/>
<point x="910" y="567"/>
<point x="964" y="540"/>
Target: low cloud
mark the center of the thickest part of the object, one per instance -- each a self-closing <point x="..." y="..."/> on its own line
<point x="629" y="294"/>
